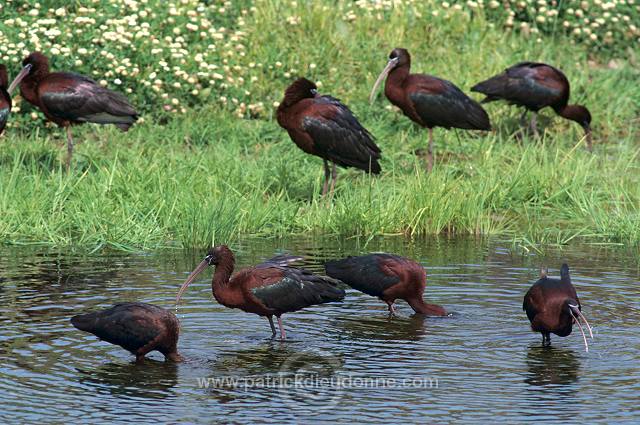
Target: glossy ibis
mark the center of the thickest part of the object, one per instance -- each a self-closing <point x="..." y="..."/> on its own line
<point x="325" y="127"/>
<point x="137" y="327"/>
<point x="5" y="99"/>
<point x="535" y="86"/>
<point x="552" y="306"/>
<point x="427" y="100"/>
<point x="268" y="289"/>
<point x="68" y="98"/>
<point x="388" y="277"/>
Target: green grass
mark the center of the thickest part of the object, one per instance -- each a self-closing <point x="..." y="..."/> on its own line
<point x="210" y="176"/>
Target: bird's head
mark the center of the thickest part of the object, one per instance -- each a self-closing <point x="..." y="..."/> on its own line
<point x="579" y="114"/>
<point x="298" y="90"/>
<point x="36" y="65"/>
<point x="397" y="57"/>
<point x="4" y="77"/>
<point x="214" y="257"/>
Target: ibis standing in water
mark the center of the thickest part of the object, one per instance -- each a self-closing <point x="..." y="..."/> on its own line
<point x="534" y="86"/>
<point x="552" y="306"/>
<point x="323" y="126"/>
<point x="388" y="277"/>
<point x="67" y="98"/>
<point x="428" y="101"/>
<point x="137" y="327"/>
<point x="268" y="289"/>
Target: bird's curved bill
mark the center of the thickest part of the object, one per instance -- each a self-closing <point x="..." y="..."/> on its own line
<point x="203" y="265"/>
<point x="23" y="73"/>
<point x="589" y="140"/>
<point x="387" y="69"/>
<point x="575" y="312"/>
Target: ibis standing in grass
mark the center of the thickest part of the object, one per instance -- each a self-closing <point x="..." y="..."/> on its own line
<point x="534" y="86"/>
<point x="268" y="289"/>
<point x="67" y="98"/>
<point x="428" y="101"/>
<point x="388" y="277"/>
<point x="5" y="99"/>
<point x="323" y="126"/>
<point x="137" y="327"/>
<point x="552" y="306"/>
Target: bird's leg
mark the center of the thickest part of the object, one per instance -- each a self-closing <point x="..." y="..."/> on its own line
<point x="523" y="119"/>
<point x="430" y="151"/>
<point x="139" y="358"/>
<point x="546" y="339"/>
<point x="334" y="177"/>
<point x="392" y="308"/>
<point x="283" y="335"/>
<point x="327" y="174"/>
<point x="534" y="124"/>
<point x="69" y="148"/>
<point x="273" y="327"/>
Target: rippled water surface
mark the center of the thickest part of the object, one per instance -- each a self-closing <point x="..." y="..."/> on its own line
<point x="482" y="363"/>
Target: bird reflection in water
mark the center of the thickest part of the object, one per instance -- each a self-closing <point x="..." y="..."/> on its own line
<point x="551" y="366"/>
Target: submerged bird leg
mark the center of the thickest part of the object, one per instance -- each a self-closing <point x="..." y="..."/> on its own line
<point x="534" y="125"/>
<point x="327" y="174"/>
<point x="273" y="327"/>
<point x="430" y="151"/>
<point x="283" y="335"/>
<point x="584" y="337"/>
<point x="334" y="177"/>
<point x="392" y="308"/>
<point x="69" y="148"/>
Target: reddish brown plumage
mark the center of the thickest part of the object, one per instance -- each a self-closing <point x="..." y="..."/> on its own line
<point x="427" y="100"/>
<point x="269" y="289"/>
<point x="137" y="327"/>
<point x="388" y="277"/>
<point x="552" y="305"/>
<point x="5" y="99"/>
<point x="534" y="86"/>
<point x="325" y="127"/>
<point x="67" y="98"/>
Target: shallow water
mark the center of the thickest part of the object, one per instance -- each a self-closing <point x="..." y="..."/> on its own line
<point x="482" y="363"/>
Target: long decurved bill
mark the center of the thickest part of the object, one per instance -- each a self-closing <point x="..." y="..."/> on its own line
<point x="23" y="73"/>
<point x="387" y="69"/>
<point x="577" y="315"/>
<point x="588" y="139"/>
<point x="203" y="265"/>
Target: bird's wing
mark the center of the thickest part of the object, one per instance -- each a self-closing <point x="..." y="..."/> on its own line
<point x="366" y="273"/>
<point x="128" y="327"/>
<point x="440" y="103"/>
<point x="338" y="135"/>
<point x="532" y="303"/>
<point x="290" y="289"/>
<point x="75" y="97"/>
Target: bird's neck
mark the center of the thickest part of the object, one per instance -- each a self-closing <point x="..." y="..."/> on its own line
<point x="419" y="306"/>
<point x="29" y="89"/>
<point x="395" y="81"/>
<point x="223" y="272"/>
<point x="570" y="112"/>
<point x="4" y="80"/>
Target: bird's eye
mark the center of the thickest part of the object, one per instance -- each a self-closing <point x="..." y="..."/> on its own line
<point x="314" y="91"/>
<point x="209" y="258"/>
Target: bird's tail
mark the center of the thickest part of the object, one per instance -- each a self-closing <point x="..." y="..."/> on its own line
<point x="493" y="88"/>
<point x="564" y="273"/>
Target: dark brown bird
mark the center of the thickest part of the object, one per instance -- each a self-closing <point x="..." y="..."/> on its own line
<point x="535" y="86"/>
<point x="5" y="99"/>
<point x="552" y="306"/>
<point x="388" y="277"/>
<point x="323" y="126"/>
<point x="67" y="98"/>
<point x="137" y="327"/>
<point x="428" y="101"/>
<point x="268" y="289"/>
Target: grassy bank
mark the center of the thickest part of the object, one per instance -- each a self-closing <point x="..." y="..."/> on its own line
<point x="185" y="179"/>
